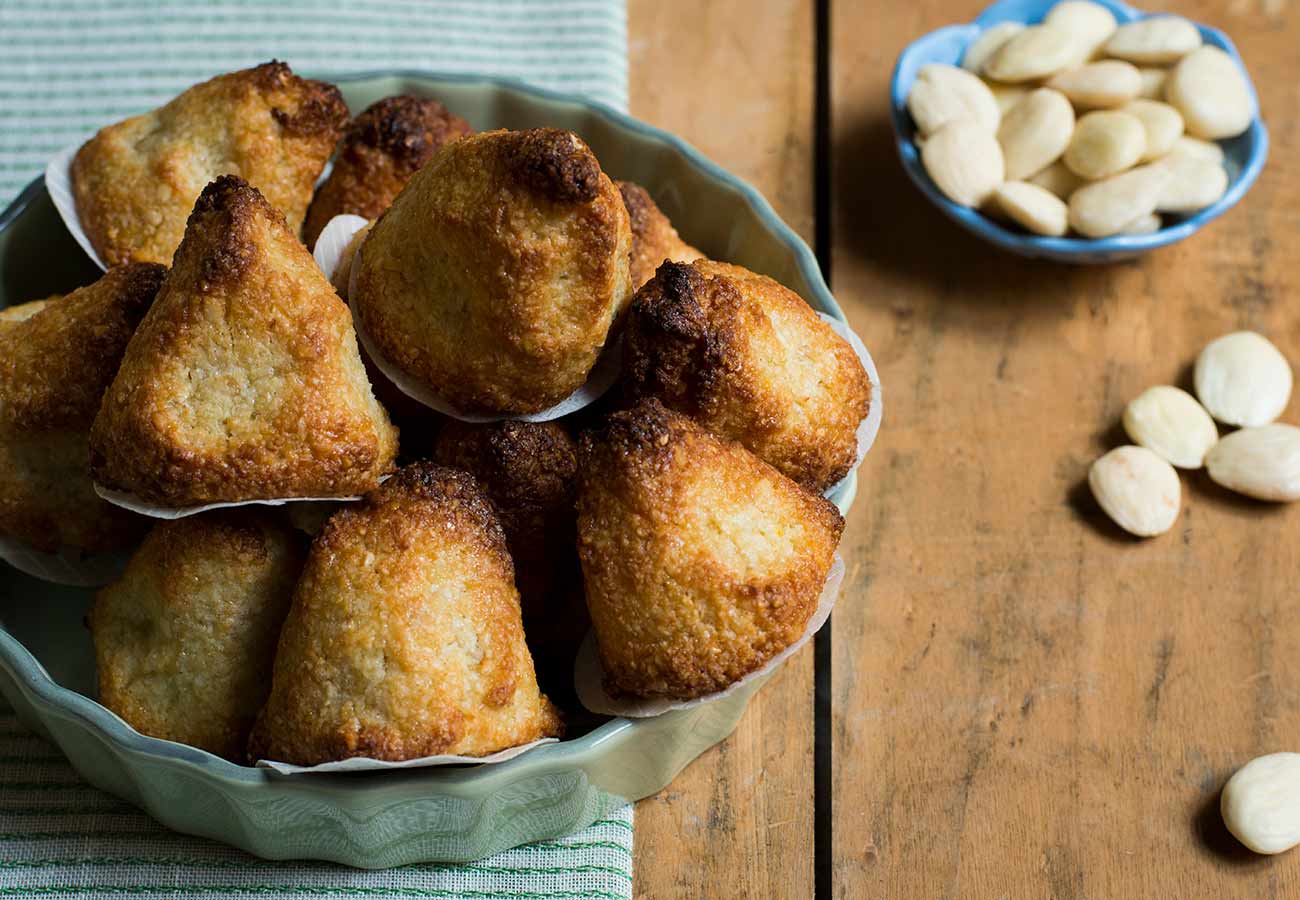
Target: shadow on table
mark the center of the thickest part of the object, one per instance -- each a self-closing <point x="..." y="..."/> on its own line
<point x="883" y="219"/>
<point x="1213" y="835"/>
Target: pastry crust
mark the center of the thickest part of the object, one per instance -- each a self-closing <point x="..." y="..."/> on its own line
<point x="382" y="149"/>
<point x="749" y="360"/>
<point x="57" y="357"/>
<point x="135" y="182"/>
<point x="701" y="562"/>
<point x="244" y="381"/>
<point x="404" y="639"/>
<point x="184" y="640"/>
<point x="494" y="277"/>
<point x="654" y="239"/>
<point x="529" y="471"/>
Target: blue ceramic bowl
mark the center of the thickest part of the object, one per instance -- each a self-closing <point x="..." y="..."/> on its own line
<point x="1243" y="155"/>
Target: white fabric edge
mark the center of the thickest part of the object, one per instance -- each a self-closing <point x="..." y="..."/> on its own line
<point x="130" y="501"/>
<point x="365" y="764"/>
<point x="599" y="380"/>
<point x="58" y="181"/>
<point x="67" y="565"/>
<point x="588" y="673"/>
<point x="870" y="426"/>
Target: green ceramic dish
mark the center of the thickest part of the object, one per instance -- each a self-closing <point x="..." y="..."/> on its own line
<point x="382" y="819"/>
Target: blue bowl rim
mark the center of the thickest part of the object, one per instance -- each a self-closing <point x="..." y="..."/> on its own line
<point x="32" y="678"/>
<point x="1065" y="247"/>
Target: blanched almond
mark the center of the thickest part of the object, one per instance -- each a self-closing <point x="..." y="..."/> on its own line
<point x="1033" y="208"/>
<point x="1169" y="422"/>
<point x="1155" y="39"/>
<point x="943" y="94"/>
<point x="1035" y="132"/>
<point x="1153" y="83"/>
<point x="1036" y="52"/>
<point x="1105" y="143"/>
<point x="988" y="43"/>
<point x="1260" y="804"/>
<point x="1261" y="462"/>
<point x="1148" y="224"/>
<point x="1137" y="489"/>
<point x="1007" y="95"/>
<point x="965" y="162"/>
<point x="1161" y="123"/>
<point x="1209" y="89"/>
<point x="1104" y="84"/>
<point x="1090" y="23"/>
<point x="1242" y="379"/>
<point x="1191" y="146"/>
<point x="1109" y="206"/>
<point x="1058" y="179"/>
<point x="1194" y="184"/>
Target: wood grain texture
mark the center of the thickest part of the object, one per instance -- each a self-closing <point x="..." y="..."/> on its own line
<point x="735" y="78"/>
<point x="1029" y="703"/>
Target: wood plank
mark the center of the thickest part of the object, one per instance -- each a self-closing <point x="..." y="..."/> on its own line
<point x="735" y="78"/>
<point x="1029" y="703"/>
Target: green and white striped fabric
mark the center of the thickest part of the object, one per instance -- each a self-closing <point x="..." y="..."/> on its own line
<point x="67" y="67"/>
<point x="59" y="837"/>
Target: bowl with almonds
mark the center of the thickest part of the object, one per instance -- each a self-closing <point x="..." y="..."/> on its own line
<point x="1082" y="131"/>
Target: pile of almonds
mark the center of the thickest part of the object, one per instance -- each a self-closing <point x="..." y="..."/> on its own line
<point x="1080" y="123"/>
<point x="1242" y="380"/>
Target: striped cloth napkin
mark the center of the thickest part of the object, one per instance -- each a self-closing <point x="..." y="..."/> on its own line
<point x="68" y="67"/>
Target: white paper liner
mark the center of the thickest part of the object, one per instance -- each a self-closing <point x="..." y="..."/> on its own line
<point x="364" y="764"/>
<point x="68" y="566"/>
<point x="588" y="673"/>
<point x="128" y="500"/>
<point x="58" y="181"/>
<point x="599" y="380"/>
<point x="334" y="239"/>
<point x="870" y="426"/>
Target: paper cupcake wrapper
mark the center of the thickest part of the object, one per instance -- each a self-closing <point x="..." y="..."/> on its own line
<point x="599" y="380"/>
<point x="334" y="239"/>
<point x="58" y="181"/>
<point x="364" y="764"/>
<point x="870" y="426"/>
<point x="68" y="566"/>
<point x="588" y="674"/>
<point x="127" y="500"/>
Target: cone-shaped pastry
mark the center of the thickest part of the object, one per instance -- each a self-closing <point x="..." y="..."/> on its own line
<point x="654" y="239"/>
<point x="56" y="359"/>
<point x="135" y="182"/>
<point x="382" y="149"/>
<point x="494" y="277"/>
<point x="529" y="471"/>
<point x="749" y="360"/>
<point x="244" y="381"/>
<point x="184" y="640"/>
<point x="701" y="561"/>
<point x="404" y="639"/>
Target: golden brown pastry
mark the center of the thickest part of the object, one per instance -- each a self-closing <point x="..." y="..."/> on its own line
<point x="654" y="239"/>
<point x="749" y="360"/>
<point x="404" y="638"/>
<point x="21" y="311"/>
<point x="529" y="471"/>
<point x="135" y="182"/>
<point x="184" y="640"/>
<point x="701" y="561"/>
<point x="56" y="359"/>
<point x="244" y="381"/>
<point x="382" y="149"/>
<point x="494" y="277"/>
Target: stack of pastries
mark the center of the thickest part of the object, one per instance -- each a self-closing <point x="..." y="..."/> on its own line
<point x="462" y="549"/>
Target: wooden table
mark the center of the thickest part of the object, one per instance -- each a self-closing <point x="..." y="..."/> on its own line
<point x="1023" y="702"/>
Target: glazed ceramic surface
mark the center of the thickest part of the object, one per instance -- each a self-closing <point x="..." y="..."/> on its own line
<point x="381" y="819"/>
<point x="1243" y="155"/>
